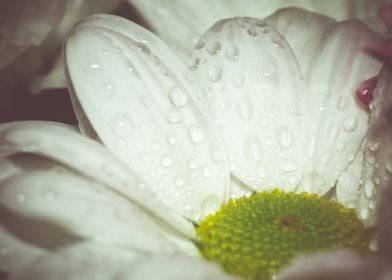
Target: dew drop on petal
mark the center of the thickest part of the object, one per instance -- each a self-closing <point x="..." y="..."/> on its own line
<point x="214" y="47"/>
<point x="289" y="166"/>
<point x="285" y="137"/>
<point x="263" y="121"/>
<point x="368" y="188"/>
<point x="174" y="116"/>
<point x="214" y="74"/>
<point x="166" y="161"/>
<point x="122" y="126"/>
<point x="350" y="123"/>
<point x="244" y="109"/>
<point x="199" y="45"/>
<point x="252" y="149"/>
<point x="342" y="103"/>
<point x="196" y="134"/>
<point x="231" y="52"/>
<point x="171" y="140"/>
<point x="178" y="97"/>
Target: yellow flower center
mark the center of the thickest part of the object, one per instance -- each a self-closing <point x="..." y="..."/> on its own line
<point x="254" y="237"/>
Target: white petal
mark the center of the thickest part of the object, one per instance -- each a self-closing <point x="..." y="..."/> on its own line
<point x="302" y="30"/>
<point x="58" y="208"/>
<point x="378" y="157"/>
<point x="349" y="181"/>
<point x="82" y="261"/>
<point x="254" y="82"/>
<point x="337" y="70"/>
<point x="173" y="267"/>
<point x="62" y="144"/>
<point x="191" y="18"/>
<point x="135" y="92"/>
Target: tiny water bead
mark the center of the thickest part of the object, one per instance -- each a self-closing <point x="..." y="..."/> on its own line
<point x="254" y="237"/>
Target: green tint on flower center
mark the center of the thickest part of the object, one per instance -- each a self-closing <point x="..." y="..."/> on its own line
<point x="257" y="236"/>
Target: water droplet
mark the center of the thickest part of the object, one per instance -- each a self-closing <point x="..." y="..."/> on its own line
<point x="341" y="146"/>
<point x="174" y="116"/>
<point x="238" y="81"/>
<point x="244" y="109"/>
<point x="21" y="198"/>
<point x="289" y="166"/>
<point x="364" y="214"/>
<point x="178" y="97"/>
<point x="373" y="146"/>
<point x="122" y="126"/>
<point x="372" y="204"/>
<point x="192" y="164"/>
<point x="231" y="52"/>
<point x="217" y="156"/>
<point x="342" y="103"/>
<point x="171" y="140"/>
<point x="143" y="48"/>
<point x="166" y="161"/>
<point x="333" y="132"/>
<point x="94" y="66"/>
<point x="196" y="134"/>
<point x="252" y="149"/>
<point x="50" y="196"/>
<point x="252" y="32"/>
<point x="350" y="124"/>
<point x="214" y="47"/>
<point x="214" y="74"/>
<point x="368" y="188"/>
<point x="210" y="204"/>
<point x="350" y="157"/>
<point x="285" y="137"/>
<point x="199" y="45"/>
<point x="263" y="121"/>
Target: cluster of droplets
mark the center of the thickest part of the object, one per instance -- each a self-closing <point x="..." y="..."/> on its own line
<point x="159" y="159"/>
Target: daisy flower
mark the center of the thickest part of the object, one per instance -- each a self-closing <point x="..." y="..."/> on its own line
<point x="181" y="158"/>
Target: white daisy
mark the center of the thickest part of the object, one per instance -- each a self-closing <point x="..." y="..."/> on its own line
<point x="264" y="104"/>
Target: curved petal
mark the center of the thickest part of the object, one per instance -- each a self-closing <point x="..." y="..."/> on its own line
<point x="378" y="155"/>
<point x="63" y="144"/>
<point x="191" y="18"/>
<point x="303" y="31"/>
<point x="257" y="91"/>
<point x="56" y="209"/>
<point x="81" y="261"/>
<point x="173" y="267"/>
<point x="337" y="70"/>
<point x="133" y="89"/>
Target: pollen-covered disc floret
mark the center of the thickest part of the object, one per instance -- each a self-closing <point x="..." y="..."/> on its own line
<point x="255" y="237"/>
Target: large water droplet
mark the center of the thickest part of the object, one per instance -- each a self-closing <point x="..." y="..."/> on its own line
<point x="231" y="52"/>
<point x="368" y="188"/>
<point x="174" y="116"/>
<point x="285" y="137"/>
<point x="178" y="97"/>
<point x="350" y="123"/>
<point x="214" y="74"/>
<point x="214" y="47"/>
<point x="244" y="109"/>
<point x="20" y="198"/>
<point x="199" y="45"/>
<point x="122" y="126"/>
<point x="166" y="161"/>
<point x="342" y="103"/>
<point x="252" y="149"/>
<point x="196" y="134"/>
<point x="289" y="166"/>
<point x="94" y="66"/>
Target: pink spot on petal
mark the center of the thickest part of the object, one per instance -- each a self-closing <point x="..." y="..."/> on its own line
<point x="365" y="91"/>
